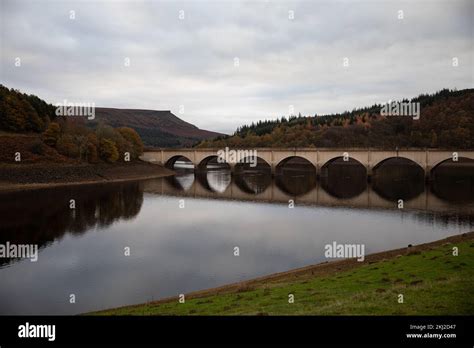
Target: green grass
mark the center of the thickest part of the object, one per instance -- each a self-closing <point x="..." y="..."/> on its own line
<point x="433" y="282"/>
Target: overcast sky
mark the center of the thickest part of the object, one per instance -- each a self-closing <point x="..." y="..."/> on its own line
<point x="289" y="53"/>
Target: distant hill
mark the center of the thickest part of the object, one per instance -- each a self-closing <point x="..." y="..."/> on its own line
<point x="446" y="121"/>
<point x="26" y="113"/>
<point x="156" y="128"/>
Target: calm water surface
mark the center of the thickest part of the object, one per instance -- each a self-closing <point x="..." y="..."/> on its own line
<point x="176" y="250"/>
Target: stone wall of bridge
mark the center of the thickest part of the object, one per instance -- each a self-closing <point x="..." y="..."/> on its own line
<point x="370" y="159"/>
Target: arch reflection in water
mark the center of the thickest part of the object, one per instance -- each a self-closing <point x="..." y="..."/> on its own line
<point x="184" y="178"/>
<point x="398" y="178"/>
<point x="334" y="188"/>
<point x="454" y="181"/>
<point x="214" y="176"/>
<point x="344" y="179"/>
<point x="253" y="180"/>
<point x="295" y="176"/>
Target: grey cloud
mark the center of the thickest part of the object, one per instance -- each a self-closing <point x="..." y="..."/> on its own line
<point x="190" y="62"/>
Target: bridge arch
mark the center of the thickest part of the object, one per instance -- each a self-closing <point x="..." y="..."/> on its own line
<point x="213" y="180"/>
<point x="350" y="160"/>
<point x="302" y="160"/>
<point x="400" y="159"/>
<point x="453" y="181"/>
<point x="246" y="163"/>
<point x="206" y="160"/>
<point x="172" y="160"/>
<point x="299" y="179"/>
<point x="396" y="178"/>
<point x="343" y="179"/>
<point x="461" y="159"/>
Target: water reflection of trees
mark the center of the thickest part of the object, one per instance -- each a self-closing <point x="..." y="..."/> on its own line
<point x="446" y="219"/>
<point x="43" y="216"/>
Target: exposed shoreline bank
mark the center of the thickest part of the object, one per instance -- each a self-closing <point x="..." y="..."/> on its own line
<point x="294" y="277"/>
<point x="46" y="175"/>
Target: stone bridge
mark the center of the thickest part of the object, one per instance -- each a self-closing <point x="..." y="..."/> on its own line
<point x="318" y="157"/>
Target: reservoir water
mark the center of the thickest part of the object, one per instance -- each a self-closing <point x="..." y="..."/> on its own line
<point x="181" y="232"/>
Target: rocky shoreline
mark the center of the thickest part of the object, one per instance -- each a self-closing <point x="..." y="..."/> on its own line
<point x="14" y="177"/>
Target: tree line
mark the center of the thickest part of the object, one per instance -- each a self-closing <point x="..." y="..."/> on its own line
<point x="446" y="121"/>
<point x="23" y="113"/>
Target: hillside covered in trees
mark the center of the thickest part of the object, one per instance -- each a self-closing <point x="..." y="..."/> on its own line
<point x="446" y="121"/>
<point x="31" y="128"/>
<point x="157" y="128"/>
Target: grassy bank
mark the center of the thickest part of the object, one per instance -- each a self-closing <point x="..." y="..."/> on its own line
<point x="431" y="280"/>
